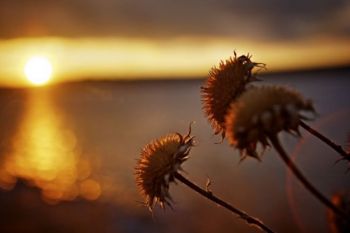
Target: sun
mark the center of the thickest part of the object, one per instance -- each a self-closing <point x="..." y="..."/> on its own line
<point x="38" y="70"/>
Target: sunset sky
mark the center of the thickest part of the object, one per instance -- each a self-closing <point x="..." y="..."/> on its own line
<point x="156" y="39"/>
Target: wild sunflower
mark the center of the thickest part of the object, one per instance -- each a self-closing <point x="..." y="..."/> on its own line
<point x="158" y="163"/>
<point x="225" y="84"/>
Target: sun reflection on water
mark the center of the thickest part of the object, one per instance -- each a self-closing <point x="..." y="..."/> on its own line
<point x="46" y="155"/>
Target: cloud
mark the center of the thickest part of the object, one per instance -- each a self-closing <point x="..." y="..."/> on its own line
<point x="268" y="19"/>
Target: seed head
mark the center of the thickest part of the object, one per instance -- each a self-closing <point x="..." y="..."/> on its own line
<point x="157" y="165"/>
<point x="224" y="84"/>
<point x="264" y="111"/>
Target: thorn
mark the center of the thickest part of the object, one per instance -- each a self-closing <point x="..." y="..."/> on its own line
<point x="207" y="185"/>
<point x="189" y="129"/>
<point x="252" y="153"/>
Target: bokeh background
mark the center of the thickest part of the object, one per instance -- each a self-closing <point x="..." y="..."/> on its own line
<point x="126" y="72"/>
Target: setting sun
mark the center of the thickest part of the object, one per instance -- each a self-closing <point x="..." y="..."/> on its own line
<point x="38" y="70"/>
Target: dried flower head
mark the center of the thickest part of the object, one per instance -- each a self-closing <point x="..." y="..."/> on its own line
<point x="337" y="224"/>
<point x="224" y="84"/>
<point x="261" y="112"/>
<point x="158" y="163"/>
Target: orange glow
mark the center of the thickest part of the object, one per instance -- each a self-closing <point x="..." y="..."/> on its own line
<point x="90" y="189"/>
<point x="126" y="58"/>
<point x="47" y="156"/>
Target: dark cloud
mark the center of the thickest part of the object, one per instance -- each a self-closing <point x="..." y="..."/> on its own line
<point x="263" y="19"/>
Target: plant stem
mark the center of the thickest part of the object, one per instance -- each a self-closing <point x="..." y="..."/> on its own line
<point x="277" y="145"/>
<point x="326" y="140"/>
<point x="212" y="197"/>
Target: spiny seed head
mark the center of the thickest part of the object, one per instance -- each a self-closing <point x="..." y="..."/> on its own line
<point x="224" y="84"/>
<point x="264" y="111"/>
<point x="158" y="163"/>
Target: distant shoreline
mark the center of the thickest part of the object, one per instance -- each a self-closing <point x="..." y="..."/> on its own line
<point x="144" y="80"/>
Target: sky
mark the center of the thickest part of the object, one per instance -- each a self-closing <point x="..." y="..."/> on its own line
<point x="153" y="38"/>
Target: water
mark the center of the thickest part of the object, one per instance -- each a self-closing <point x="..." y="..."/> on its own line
<point x="72" y="149"/>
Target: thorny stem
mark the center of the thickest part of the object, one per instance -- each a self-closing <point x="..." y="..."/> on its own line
<point x="209" y="195"/>
<point x="326" y="140"/>
<point x="276" y="144"/>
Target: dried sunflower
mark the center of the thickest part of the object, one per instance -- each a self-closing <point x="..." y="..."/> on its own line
<point x="224" y="84"/>
<point x="158" y="163"/>
<point x="261" y="112"/>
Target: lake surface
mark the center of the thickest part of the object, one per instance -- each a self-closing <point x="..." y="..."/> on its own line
<point x="68" y="152"/>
